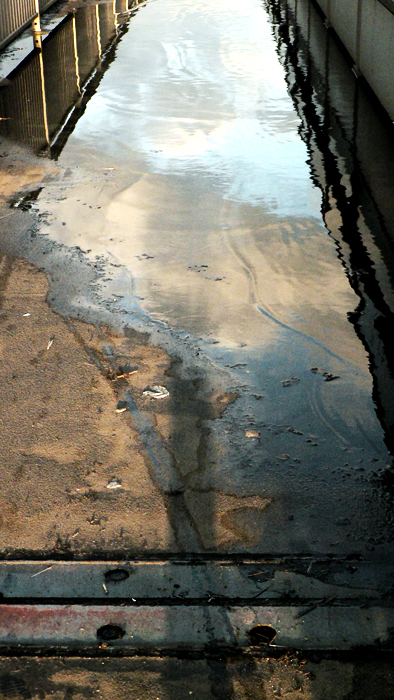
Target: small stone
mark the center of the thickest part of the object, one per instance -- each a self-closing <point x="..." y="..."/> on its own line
<point x="252" y="434"/>
<point x="114" y="484"/>
<point x="156" y="392"/>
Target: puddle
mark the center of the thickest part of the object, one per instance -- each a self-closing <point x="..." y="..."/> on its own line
<point x="245" y="219"/>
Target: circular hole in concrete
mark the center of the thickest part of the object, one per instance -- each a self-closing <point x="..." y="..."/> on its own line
<point x="116" y="575"/>
<point x="108" y="633"/>
<point x="261" y="634"/>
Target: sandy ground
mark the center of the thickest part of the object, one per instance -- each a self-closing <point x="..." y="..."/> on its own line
<point x="205" y="679"/>
<point x="77" y="474"/>
<point x="20" y="173"/>
<point x="63" y="443"/>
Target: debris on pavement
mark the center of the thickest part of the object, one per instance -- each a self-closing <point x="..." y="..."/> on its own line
<point x="156" y="392"/>
<point x="43" y="570"/>
<point x="252" y="434"/>
<point x="317" y="604"/>
<point x="123" y="372"/>
<point x="327" y="376"/>
<point x="114" y="483"/>
<point x="50" y="342"/>
<point x="121" y="406"/>
<point x="290" y="382"/>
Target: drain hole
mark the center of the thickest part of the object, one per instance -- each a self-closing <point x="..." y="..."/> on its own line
<point x="109" y="633"/>
<point x="116" y="575"/>
<point x="262" y="634"/>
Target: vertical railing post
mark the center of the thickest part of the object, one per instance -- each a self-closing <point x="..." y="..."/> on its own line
<point x="98" y="31"/>
<point x="76" y="54"/>
<point x="44" y="99"/>
<point x="37" y="38"/>
<point x="36" y="25"/>
<point x="115" y="16"/>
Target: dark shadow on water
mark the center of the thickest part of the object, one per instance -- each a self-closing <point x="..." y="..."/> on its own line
<point x="350" y="141"/>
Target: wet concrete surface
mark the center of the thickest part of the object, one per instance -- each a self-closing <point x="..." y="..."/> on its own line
<point x="217" y="216"/>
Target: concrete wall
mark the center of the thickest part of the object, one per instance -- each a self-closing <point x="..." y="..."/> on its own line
<point x="366" y="28"/>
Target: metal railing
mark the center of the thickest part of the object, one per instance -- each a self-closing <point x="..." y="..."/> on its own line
<point x="16" y="15"/>
<point x="40" y="98"/>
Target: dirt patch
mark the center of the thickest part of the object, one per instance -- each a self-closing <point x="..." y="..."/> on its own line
<point x="63" y="443"/>
<point x="92" y="462"/>
<point x="206" y="679"/>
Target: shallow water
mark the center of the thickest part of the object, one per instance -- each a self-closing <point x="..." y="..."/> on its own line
<point x="191" y="169"/>
<point x="210" y="204"/>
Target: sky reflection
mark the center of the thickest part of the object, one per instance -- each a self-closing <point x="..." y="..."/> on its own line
<point x="203" y="91"/>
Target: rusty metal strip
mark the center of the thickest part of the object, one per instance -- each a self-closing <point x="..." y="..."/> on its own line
<point x="195" y="628"/>
<point x="135" y="607"/>
<point x="202" y="582"/>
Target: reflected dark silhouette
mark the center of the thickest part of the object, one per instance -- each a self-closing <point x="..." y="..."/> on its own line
<point x="45" y="96"/>
<point x="351" y="146"/>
